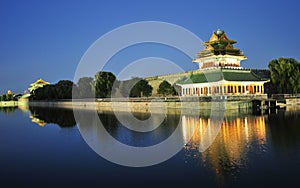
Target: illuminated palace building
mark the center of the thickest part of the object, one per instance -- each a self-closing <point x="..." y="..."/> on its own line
<point x="220" y="72"/>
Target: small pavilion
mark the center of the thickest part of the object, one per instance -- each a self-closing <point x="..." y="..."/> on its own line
<point x="39" y="83"/>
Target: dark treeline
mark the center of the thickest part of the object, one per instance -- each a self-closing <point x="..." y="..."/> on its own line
<point x="135" y="87"/>
<point x="7" y="97"/>
<point x="61" y="90"/>
<point x="103" y="85"/>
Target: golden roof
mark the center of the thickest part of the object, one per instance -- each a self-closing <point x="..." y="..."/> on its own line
<point x="40" y="82"/>
<point x="214" y="37"/>
<point x="219" y="44"/>
<point x="219" y="37"/>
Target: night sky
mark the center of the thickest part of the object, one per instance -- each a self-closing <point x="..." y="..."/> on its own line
<point x="46" y="39"/>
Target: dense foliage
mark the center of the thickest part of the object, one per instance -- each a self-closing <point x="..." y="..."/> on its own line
<point x="61" y="90"/>
<point x="6" y="97"/>
<point x="285" y="75"/>
<point x="103" y="84"/>
<point x="123" y="88"/>
<point x="165" y="89"/>
<point x="141" y="89"/>
<point x="84" y="88"/>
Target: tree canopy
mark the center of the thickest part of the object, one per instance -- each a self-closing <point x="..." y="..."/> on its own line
<point x="64" y="89"/>
<point x="61" y="90"/>
<point x="141" y="89"/>
<point x="6" y="97"/>
<point x="165" y="89"/>
<point x="84" y="88"/>
<point x="103" y="84"/>
<point x="285" y="75"/>
<point x="124" y="87"/>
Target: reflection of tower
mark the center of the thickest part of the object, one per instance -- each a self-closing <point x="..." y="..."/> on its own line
<point x="61" y="117"/>
<point x="38" y="121"/>
<point x="228" y="151"/>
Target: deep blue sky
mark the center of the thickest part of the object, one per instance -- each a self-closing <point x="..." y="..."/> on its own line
<point x="46" y="39"/>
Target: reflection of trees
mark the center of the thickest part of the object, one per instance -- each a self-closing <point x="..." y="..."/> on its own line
<point x="228" y="153"/>
<point x="285" y="129"/>
<point x="110" y="122"/>
<point x="8" y="109"/>
<point x="59" y="116"/>
<point x="134" y="138"/>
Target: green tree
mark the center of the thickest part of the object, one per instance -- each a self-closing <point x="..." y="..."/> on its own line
<point x="4" y="97"/>
<point x="140" y="89"/>
<point x="103" y="84"/>
<point x="125" y="86"/>
<point x="64" y="89"/>
<point x="285" y="75"/>
<point x="9" y="97"/>
<point x="61" y="90"/>
<point x="85" y="87"/>
<point x="165" y="88"/>
<point x="44" y="93"/>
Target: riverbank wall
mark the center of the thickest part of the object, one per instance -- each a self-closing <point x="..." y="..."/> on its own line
<point x="144" y="106"/>
<point x="8" y="103"/>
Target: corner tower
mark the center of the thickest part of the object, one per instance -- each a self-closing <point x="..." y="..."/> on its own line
<point x="219" y="52"/>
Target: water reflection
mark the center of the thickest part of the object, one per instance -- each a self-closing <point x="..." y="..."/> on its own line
<point x="62" y="117"/>
<point x="228" y="153"/>
<point x="242" y="139"/>
<point x="7" y="110"/>
<point x="140" y="139"/>
<point x="285" y="129"/>
<point x="118" y="144"/>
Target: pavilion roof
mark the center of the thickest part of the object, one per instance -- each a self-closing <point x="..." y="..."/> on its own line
<point x="219" y="44"/>
<point x="39" y="81"/>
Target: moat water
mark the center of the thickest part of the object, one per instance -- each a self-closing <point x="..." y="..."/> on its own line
<point x="43" y="147"/>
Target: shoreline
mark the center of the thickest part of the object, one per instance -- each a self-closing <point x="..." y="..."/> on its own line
<point x="143" y="106"/>
<point x="9" y="103"/>
<point x="157" y="105"/>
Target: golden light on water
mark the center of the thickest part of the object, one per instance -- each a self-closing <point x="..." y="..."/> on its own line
<point x="232" y="143"/>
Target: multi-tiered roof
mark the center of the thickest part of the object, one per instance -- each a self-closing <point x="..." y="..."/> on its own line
<point x="39" y="83"/>
<point x="219" y="44"/>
